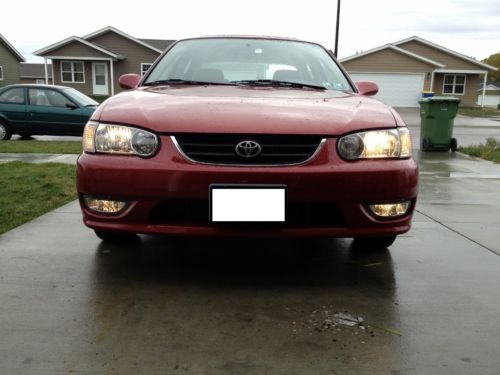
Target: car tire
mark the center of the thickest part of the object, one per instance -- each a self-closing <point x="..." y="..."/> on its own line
<point x="5" y="133"/>
<point x="426" y="144"/>
<point x="453" y="145"/>
<point x="115" y="236"/>
<point x="375" y="243"/>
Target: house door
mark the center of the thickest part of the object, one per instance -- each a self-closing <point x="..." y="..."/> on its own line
<point x="100" y="78"/>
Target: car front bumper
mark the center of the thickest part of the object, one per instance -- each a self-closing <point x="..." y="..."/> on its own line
<point x="168" y="194"/>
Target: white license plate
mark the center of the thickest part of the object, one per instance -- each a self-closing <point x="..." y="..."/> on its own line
<point x="247" y="203"/>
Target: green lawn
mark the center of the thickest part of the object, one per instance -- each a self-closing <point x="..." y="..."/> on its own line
<point x="488" y="151"/>
<point x="30" y="190"/>
<point x="478" y="111"/>
<point x="41" y="147"/>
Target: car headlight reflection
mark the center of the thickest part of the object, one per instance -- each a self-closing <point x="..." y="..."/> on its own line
<point x="376" y="144"/>
<point x="118" y="139"/>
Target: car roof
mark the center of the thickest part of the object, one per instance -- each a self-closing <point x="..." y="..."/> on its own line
<point x="263" y="37"/>
<point x="35" y="85"/>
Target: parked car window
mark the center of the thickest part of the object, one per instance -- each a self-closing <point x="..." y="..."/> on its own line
<point x="47" y="98"/>
<point x="14" y="96"/>
<point x="80" y="98"/>
<point x="221" y="60"/>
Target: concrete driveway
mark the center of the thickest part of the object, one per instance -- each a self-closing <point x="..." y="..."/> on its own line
<point x="430" y="305"/>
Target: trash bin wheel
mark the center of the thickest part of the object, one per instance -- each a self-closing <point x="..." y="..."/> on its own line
<point x="426" y="144"/>
<point x="453" y="144"/>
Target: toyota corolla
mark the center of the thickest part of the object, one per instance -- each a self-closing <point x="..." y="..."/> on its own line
<point x="247" y="136"/>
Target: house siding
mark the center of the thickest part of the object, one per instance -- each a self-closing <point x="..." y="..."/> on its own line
<point x="471" y="84"/>
<point x="389" y="61"/>
<point x="451" y="62"/>
<point x="10" y="67"/>
<point x="33" y="80"/>
<point x="134" y="53"/>
<point x="77" y="49"/>
<point x="86" y="87"/>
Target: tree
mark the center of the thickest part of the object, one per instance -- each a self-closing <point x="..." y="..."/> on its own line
<point x="495" y="61"/>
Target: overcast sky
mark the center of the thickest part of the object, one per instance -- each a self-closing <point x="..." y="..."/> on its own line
<point x="471" y="27"/>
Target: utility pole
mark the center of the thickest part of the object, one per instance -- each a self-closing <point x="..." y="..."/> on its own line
<point x="337" y="30"/>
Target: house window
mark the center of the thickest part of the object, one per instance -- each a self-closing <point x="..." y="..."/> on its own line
<point x="1" y="73"/>
<point x="454" y="84"/>
<point x="144" y="68"/>
<point x="72" y="71"/>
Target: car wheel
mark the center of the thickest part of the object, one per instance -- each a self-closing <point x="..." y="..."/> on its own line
<point x="426" y="144"/>
<point x="115" y="236"/>
<point x="5" y="133"/>
<point x="374" y="242"/>
<point x="453" y="145"/>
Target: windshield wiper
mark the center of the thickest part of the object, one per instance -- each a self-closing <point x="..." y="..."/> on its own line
<point x="273" y="82"/>
<point x="183" y="82"/>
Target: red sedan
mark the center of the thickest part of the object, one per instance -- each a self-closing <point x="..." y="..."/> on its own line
<point x="247" y="136"/>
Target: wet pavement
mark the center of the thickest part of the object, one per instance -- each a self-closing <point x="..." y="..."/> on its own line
<point x="429" y="305"/>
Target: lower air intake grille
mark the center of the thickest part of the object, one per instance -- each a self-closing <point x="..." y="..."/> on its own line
<point x="299" y="214"/>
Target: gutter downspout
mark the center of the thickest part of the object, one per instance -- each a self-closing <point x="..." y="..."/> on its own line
<point x="46" y="72"/>
<point x="484" y="88"/>
<point x="53" y="83"/>
<point x="112" y="77"/>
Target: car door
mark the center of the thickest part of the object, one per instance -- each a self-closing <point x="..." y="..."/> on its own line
<point x="13" y="108"/>
<point x="51" y="112"/>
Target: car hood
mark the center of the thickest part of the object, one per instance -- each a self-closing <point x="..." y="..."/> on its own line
<point x="244" y="109"/>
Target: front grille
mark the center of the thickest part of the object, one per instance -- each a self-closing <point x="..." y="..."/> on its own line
<point x="299" y="214"/>
<point x="275" y="149"/>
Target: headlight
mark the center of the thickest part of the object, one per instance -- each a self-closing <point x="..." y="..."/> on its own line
<point x="118" y="139"/>
<point x="376" y="144"/>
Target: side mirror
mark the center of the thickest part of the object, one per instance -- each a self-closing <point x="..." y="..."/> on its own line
<point x="367" y="88"/>
<point x="129" y="81"/>
<point x="71" y="105"/>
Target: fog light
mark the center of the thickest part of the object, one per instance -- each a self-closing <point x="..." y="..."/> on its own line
<point x="104" y="206"/>
<point x="389" y="210"/>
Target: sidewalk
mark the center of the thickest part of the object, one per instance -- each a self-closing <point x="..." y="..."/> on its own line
<point x="39" y="158"/>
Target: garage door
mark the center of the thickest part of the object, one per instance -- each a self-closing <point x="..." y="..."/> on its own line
<point x="398" y="90"/>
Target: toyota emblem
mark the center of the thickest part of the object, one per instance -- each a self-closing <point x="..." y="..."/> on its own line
<point x="248" y="149"/>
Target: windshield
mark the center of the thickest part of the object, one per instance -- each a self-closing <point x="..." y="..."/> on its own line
<point x="247" y="61"/>
<point x="81" y="99"/>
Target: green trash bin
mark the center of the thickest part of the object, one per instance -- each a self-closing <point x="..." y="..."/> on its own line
<point x="437" y="115"/>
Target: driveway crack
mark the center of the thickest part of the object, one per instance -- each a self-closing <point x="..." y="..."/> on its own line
<point x="457" y="232"/>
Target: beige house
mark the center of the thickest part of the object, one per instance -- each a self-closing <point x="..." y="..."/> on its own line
<point x="93" y="63"/>
<point x="404" y="69"/>
<point x="34" y="73"/>
<point x="9" y="63"/>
